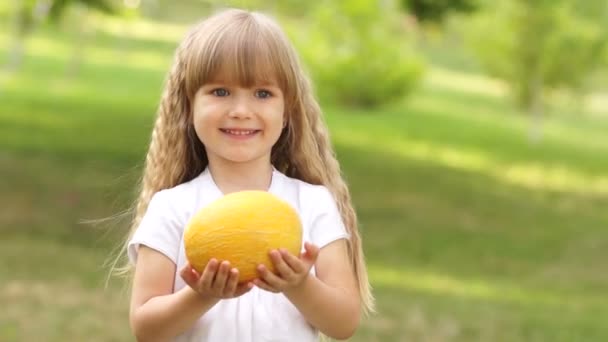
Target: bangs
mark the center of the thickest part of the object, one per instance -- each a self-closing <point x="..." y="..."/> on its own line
<point x="245" y="61"/>
<point x="244" y="52"/>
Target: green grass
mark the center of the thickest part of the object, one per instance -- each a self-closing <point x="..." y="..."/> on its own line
<point x="471" y="233"/>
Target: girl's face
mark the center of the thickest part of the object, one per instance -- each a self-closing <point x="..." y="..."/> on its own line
<point x="238" y="124"/>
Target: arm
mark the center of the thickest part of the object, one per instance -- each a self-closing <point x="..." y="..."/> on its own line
<point x="330" y="302"/>
<point x="158" y="314"/>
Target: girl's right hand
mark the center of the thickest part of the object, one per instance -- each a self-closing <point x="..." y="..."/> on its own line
<point x="217" y="281"/>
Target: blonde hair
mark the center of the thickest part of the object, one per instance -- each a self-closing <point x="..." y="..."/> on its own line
<point x="245" y="47"/>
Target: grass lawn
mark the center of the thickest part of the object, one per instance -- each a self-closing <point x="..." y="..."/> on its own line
<point x="471" y="233"/>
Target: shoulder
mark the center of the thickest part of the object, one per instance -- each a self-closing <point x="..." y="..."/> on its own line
<point x="176" y="192"/>
<point x="173" y="207"/>
<point x="162" y="224"/>
<point x="178" y="198"/>
<point x="309" y="196"/>
<point x="313" y="201"/>
<point x="318" y="210"/>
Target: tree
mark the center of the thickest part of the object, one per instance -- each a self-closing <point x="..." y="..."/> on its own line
<point x="28" y="13"/>
<point x="58" y="7"/>
<point x="436" y="10"/>
<point x="540" y="46"/>
<point x="358" y="54"/>
<point x="23" y="23"/>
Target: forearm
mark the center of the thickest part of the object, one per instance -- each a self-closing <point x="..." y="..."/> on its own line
<point x="164" y="317"/>
<point x="334" y="311"/>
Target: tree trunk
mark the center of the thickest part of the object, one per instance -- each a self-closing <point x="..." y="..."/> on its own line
<point x="15" y="57"/>
<point x="21" y="26"/>
<point x="82" y="35"/>
<point x="535" y="133"/>
<point x="26" y="15"/>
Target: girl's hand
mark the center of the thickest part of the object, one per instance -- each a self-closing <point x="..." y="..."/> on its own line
<point x="218" y="281"/>
<point x="292" y="271"/>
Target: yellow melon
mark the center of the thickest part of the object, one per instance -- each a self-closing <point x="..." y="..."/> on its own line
<point x="242" y="227"/>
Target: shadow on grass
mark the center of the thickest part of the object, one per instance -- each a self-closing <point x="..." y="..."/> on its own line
<point x="462" y="223"/>
<point x="422" y="315"/>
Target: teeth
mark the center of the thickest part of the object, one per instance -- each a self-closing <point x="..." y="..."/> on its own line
<point x="239" y="132"/>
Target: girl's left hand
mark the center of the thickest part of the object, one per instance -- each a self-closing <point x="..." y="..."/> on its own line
<point x="291" y="270"/>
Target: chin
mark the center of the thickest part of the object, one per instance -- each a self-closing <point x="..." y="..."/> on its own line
<point x="241" y="158"/>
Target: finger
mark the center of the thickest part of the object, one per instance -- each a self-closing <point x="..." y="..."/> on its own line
<point x="293" y="262"/>
<point x="270" y="278"/>
<point x="312" y="252"/>
<point x="231" y="283"/>
<point x="189" y="275"/>
<point x="241" y="289"/>
<point x="221" y="276"/>
<point x="281" y="266"/>
<point x="208" y="275"/>
<point x="265" y="286"/>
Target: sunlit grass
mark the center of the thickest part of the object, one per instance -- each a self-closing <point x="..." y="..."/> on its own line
<point x="593" y="103"/>
<point x="143" y="29"/>
<point x="442" y="284"/>
<point x="571" y="130"/>
<point x="465" y="82"/>
<point x="536" y="176"/>
<point x="63" y="50"/>
<point x="598" y="104"/>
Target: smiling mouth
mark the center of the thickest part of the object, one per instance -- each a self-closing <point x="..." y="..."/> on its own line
<point x="241" y="132"/>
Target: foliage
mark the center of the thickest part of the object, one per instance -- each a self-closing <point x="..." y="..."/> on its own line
<point x="27" y="14"/>
<point x="30" y="10"/>
<point x="58" y="7"/>
<point x="542" y="44"/>
<point x="436" y="10"/>
<point x="355" y="61"/>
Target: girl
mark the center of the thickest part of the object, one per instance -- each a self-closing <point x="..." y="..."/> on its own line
<point x="238" y="113"/>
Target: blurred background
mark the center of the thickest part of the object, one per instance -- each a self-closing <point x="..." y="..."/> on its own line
<point x="473" y="134"/>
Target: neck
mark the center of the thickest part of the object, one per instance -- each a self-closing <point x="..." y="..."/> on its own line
<point x="232" y="177"/>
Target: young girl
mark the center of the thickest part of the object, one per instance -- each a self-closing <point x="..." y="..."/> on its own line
<point x="238" y="113"/>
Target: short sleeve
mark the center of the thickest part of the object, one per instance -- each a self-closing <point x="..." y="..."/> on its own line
<point x="159" y="229"/>
<point x="327" y="224"/>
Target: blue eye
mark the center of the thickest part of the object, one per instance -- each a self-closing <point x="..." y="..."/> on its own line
<point x="220" y="92"/>
<point x="262" y="94"/>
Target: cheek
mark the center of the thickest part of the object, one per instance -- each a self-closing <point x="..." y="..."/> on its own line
<point x="203" y="124"/>
<point x="277" y="115"/>
<point x="274" y="125"/>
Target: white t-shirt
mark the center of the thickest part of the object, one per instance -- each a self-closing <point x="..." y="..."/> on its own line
<point x="257" y="316"/>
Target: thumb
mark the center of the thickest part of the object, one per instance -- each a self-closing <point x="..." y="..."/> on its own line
<point x="311" y="252"/>
<point x="189" y="275"/>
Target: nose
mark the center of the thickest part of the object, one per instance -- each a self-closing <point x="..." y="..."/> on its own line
<point x="242" y="108"/>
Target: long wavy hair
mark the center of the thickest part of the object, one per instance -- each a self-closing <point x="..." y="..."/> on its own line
<point x="244" y="47"/>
